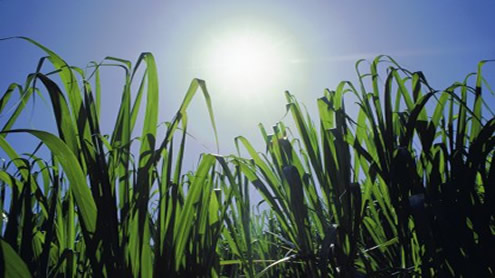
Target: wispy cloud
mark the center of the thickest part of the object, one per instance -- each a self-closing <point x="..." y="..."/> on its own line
<point x="425" y="52"/>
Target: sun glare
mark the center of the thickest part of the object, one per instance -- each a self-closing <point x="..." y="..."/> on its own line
<point x="244" y="58"/>
<point x="247" y="63"/>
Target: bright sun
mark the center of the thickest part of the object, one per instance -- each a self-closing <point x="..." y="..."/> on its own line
<point x="247" y="63"/>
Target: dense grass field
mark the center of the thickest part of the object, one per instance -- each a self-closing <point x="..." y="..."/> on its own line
<point x="405" y="189"/>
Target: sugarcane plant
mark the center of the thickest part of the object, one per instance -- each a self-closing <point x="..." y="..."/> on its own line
<point x="403" y="189"/>
<point x="401" y="185"/>
<point x="94" y="207"/>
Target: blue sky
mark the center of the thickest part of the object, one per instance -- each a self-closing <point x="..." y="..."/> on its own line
<point x="444" y="39"/>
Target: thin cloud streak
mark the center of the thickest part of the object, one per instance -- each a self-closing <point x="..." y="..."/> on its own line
<point x="392" y="53"/>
